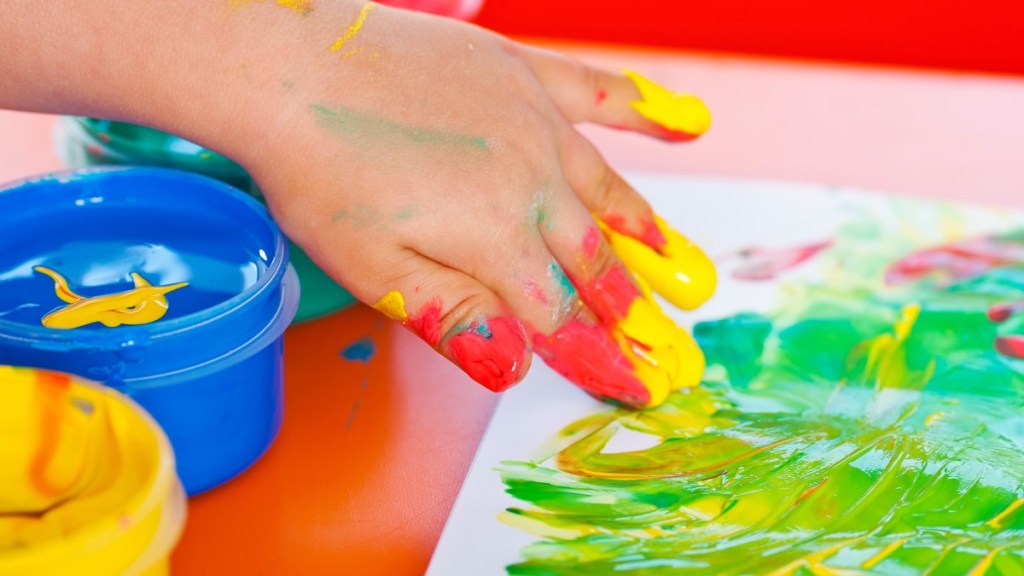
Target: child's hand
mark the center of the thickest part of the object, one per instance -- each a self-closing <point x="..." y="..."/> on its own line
<point x="439" y="178"/>
<point x="433" y="169"/>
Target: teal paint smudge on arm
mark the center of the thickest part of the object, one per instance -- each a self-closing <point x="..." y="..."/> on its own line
<point x="567" y="295"/>
<point x="345" y="121"/>
<point x="406" y="213"/>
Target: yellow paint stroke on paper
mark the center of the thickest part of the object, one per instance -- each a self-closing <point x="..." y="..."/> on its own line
<point x="301" y="7"/>
<point x="392" y="305"/>
<point x="353" y="29"/>
<point x="997" y="522"/>
<point x="674" y="111"/>
<point x="143" y="304"/>
<point x="883" y="554"/>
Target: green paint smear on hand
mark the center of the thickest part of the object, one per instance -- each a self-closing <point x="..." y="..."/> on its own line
<point x="346" y="121"/>
<point x="860" y="429"/>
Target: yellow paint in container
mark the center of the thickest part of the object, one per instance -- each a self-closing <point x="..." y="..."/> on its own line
<point x="87" y="480"/>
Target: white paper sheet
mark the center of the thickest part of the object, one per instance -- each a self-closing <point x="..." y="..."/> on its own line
<point x="722" y="216"/>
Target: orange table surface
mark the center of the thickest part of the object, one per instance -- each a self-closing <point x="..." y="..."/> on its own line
<point x="371" y="456"/>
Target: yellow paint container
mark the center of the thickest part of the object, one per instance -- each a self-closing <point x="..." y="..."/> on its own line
<point x="87" y="481"/>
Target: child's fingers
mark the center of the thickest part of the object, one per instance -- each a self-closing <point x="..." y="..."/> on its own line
<point x="626" y="101"/>
<point x="673" y="266"/>
<point x="457" y="315"/>
<point x="604" y="193"/>
<point x="626" y="349"/>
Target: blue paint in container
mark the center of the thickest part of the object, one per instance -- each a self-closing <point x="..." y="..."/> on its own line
<point x="210" y="370"/>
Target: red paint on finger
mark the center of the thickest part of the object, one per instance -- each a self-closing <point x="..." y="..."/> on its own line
<point x="427" y="322"/>
<point x="590" y="242"/>
<point x="1011" y="346"/>
<point x="494" y="354"/>
<point x="534" y="291"/>
<point x="610" y="295"/>
<point x="648" y="231"/>
<point x="600" y="97"/>
<point x="588" y="356"/>
<point x="673" y="136"/>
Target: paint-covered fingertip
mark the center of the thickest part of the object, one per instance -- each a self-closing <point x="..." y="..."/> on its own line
<point x="492" y="352"/>
<point x="679" y="271"/>
<point x="683" y="116"/>
<point x="588" y="356"/>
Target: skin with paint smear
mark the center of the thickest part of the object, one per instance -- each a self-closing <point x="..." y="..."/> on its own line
<point x="858" y="430"/>
<point x="392" y="147"/>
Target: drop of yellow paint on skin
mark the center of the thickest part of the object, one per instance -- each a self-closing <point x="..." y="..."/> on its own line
<point x="392" y="305"/>
<point x="352" y="30"/>
<point x="672" y="110"/>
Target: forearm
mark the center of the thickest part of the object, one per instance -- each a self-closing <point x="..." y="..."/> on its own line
<point x="210" y="71"/>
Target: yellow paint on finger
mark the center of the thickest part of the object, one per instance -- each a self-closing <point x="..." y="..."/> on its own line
<point x="353" y="30"/>
<point x="142" y="305"/>
<point x="680" y="272"/>
<point x="392" y="305"/>
<point x="674" y="111"/>
<point x="664" y="356"/>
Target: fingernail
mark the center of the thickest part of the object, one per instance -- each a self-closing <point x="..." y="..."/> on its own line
<point x="493" y="352"/>
<point x="683" y="116"/>
<point x="679" y="271"/>
<point x="587" y="356"/>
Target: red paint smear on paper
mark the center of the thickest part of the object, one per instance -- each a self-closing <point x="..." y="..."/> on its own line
<point x="590" y="243"/>
<point x="600" y="97"/>
<point x="957" y="261"/>
<point x="496" y="360"/>
<point x="649" y="233"/>
<point x="1002" y="312"/>
<point x="588" y="356"/>
<point x="427" y="322"/>
<point x="767" y="263"/>
<point x="1012" y="346"/>
<point x="50" y="392"/>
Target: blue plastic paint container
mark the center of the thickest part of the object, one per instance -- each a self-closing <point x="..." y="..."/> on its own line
<point x="209" y="370"/>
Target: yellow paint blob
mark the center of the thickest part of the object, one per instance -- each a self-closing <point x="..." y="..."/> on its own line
<point x="392" y="305"/>
<point x="88" y="480"/>
<point x="681" y="273"/>
<point x="354" y="28"/>
<point x="143" y="304"/>
<point x="302" y="7"/>
<point x="674" y="111"/>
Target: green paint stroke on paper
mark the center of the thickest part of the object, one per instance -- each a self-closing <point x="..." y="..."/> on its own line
<point x="862" y="429"/>
<point x="346" y="121"/>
